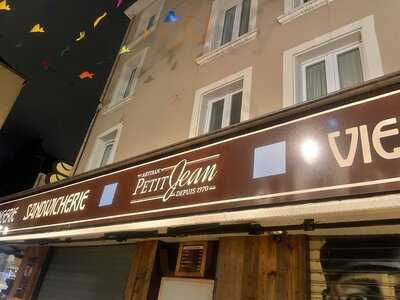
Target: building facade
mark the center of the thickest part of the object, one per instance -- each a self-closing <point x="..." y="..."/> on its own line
<point x="243" y="149"/>
<point x="11" y="85"/>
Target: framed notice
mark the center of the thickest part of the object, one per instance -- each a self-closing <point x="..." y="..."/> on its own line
<point x="180" y="289"/>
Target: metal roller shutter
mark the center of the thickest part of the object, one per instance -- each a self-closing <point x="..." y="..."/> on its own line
<point x="355" y="268"/>
<point x="87" y="273"/>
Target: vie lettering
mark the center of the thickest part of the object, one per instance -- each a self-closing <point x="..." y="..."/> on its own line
<point x="361" y="133"/>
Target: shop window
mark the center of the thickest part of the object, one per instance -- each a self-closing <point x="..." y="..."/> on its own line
<point x="105" y="148"/>
<point x="232" y="22"/>
<point x="221" y="104"/>
<point x="148" y="19"/>
<point x="337" y="60"/>
<point x="355" y="268"/>
<point x="9" y="265"/>
<point x="330" y="72"/>
<point x="127" y="80"/>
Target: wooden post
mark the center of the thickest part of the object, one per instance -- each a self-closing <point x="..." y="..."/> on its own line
<point x="262" y="268"/>
<point x="142" y="266"/>
<point x="25" y="286"/>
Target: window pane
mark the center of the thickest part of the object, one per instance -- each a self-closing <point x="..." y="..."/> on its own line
<point x="217" y="111"/>
<point x="236" y="108"/>
<point x="245" y="17"/>
<point x="316" y="80"/>
<point x="228" y="25"/>
<point x="129" y="84"/>
<point x="151" y="22"/>
<point x="106" y="154"/>
<point x="350" y="69"/>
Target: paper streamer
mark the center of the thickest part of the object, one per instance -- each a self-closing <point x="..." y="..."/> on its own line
<point x="86" y="75"/>
<point x="37" y="28"/>
<point x="124" y="50"/>
<point x="4" y="5"/>
<point x="82" y="35"/>
<point x="99" y="19"/>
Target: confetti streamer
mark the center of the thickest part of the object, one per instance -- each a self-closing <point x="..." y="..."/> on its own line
<point x="37" y="28"/>
<point x="171" y="17"/>
<point x="146" y="33"/>
<point x="45" y="64"/>
<point x="4" y="5"/>
<point x="65" y="50"/>
<point x="86" y="75"/>
<point x="119" y="3"/>
<point x="99" y="19"/>
<point x="124" y="50"/>
<point x="82" y="35"/>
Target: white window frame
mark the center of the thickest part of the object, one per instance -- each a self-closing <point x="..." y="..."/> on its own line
<point x="246" y="75"/>
<point x="100" y="145"/>
<point x="136" y="12"/>
<point x="371" y="57"/>
<point x="211" y="50"/>
<point x="226" y="114"/>
<point x="135" y="62"/>
<point x="293" y="11"/>
<point x="331" y="68"/>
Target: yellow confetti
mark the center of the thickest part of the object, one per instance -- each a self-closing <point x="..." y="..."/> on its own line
<point x="146" y="33"/>
<point x="98" y="20"/>
<point x="37" y="28"/>
<point x="4" y="5"/>
<point x="124" y="49"/>
<point x="82" y="35"/>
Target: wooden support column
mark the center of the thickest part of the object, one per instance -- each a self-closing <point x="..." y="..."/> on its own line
<point x="262" y="268"/>
<point x="25" y="286"/>
<point x="141" y="271"/>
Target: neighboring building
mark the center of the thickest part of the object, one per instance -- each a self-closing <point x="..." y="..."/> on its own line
<point x="249" y="144"/>
<point x="10" y="85"/>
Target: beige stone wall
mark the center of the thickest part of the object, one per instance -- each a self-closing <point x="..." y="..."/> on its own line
<point x="10" y="86"/>
<point x="160" y="111"/>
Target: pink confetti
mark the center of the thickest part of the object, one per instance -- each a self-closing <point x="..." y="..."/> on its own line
<point x="45" y="64"/>
<point x="119" y="2"/>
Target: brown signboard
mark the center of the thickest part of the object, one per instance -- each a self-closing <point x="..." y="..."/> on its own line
<point x="348" y="150"/>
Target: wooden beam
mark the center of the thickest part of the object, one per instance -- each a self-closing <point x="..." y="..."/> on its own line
<point x="262" y="268"/>
<point x="141" y="271"/>
<point x="26" y="282"/>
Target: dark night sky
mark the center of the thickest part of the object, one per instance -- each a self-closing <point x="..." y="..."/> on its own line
<point x="55" y="105"/>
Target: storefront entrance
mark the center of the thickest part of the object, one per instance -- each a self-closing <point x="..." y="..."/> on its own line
<point x="87" y="273"/>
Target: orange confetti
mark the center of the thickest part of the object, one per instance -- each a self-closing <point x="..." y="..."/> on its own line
<point x="146" y="33"/>
<point x="86" y="75"/>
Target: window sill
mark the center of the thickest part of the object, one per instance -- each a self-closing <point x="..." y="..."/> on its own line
<point x="210" y="56"/>
<point x="109" y="108"/>
<point x="302" y="10"/>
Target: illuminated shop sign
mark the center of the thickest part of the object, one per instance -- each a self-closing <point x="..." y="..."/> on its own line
<point x="352" y="149"/>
